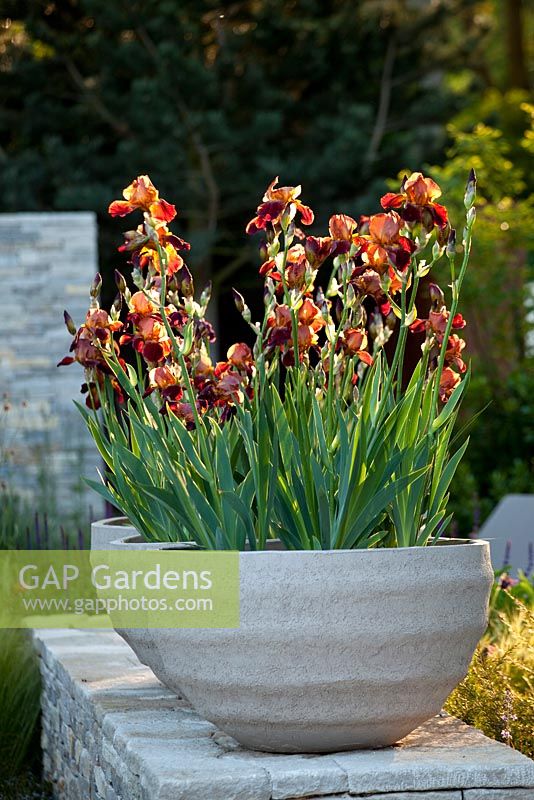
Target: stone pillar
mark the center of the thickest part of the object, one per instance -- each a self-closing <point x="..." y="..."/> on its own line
<point x="47" y="262"/>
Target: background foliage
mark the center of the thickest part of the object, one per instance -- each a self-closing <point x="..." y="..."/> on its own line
<point x="497" y="696"/>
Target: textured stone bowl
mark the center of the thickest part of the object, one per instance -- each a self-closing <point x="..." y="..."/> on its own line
<point x="106" y="531"/>
<point x="336" y="650"/>
<point x="115" y="533"/>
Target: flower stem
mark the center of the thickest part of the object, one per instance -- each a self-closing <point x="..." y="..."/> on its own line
<point x="456" y="286"/>
<point x="287" y="298"/>
<point x="333" y="345"/>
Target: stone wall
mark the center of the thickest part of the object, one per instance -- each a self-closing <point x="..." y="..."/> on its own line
<point x="111" y="731"/>
<point x="47" y="262"/>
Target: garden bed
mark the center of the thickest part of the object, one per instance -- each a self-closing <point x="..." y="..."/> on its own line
<point x="111" y="731"/>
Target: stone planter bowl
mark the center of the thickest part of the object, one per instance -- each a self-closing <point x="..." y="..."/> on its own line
<point x="337" y="650"/>
<point x="113" y="534"/>
<point x="106" y="531"/>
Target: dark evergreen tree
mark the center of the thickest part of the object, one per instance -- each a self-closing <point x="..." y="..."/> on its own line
<point x="213" y="100"/>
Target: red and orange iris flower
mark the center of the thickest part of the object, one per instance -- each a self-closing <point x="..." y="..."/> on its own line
<point x="370" y="264"/>
<point x="94" y="336"/>
<point x="90" y="345"/>
<point x="384" y="245"/>
<point x="368" y="283"/>
<point x="341" y="227"/>
<point x="416" y="202"/>
<point x="453" y="353"/>
<point x="152" y="237"/>
<point x="319" y="248"/>
<point x="295" y="271"/>
<point x="448" y="382"/>
<point x="437" y="323"/>
<point x="276" y="201"/>
<point x="354" y="342"/>
<point x="435" y="327"/>
<point x="309" y="322"/>
<point x="142" y="195"/>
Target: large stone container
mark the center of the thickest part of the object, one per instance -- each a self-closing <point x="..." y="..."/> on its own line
<point x="336" y="650"/>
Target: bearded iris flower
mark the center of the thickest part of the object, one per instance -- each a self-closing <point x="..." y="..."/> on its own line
<point x="325" y="332"/>
<point x="384" y="245"/>
<point x="278" y="201"/>
<point x="142" y="195"/>
<point x="416" y="202"/>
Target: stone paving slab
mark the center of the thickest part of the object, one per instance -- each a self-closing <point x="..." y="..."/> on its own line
<point x="111" y="731"/>
<point x="498" y="794"/>
<point x="447" y="795"/>
<point x="441" y="754"/>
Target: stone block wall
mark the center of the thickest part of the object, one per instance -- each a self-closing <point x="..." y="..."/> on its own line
<point x="47" y="262"/>
<point x="112" y="731"/>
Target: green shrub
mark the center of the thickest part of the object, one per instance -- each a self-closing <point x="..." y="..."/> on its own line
<point x="495" y="137"/>
<point x="497" y="696"/>
<point x="499" y="459"/>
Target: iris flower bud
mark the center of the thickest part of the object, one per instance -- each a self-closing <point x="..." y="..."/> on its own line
<point x="185" y="280"/>
<point x="69" y="322"/>
<point x="120" y="282"/>
<point x="96" y="285"/>
<point x="205" y="297"/>
<point x="437" y="298"/>
<point x="115" y="310"/>
<point x="470" y="190"/>
<point x="238" y="300"/>
<point x="451" y="244"/>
